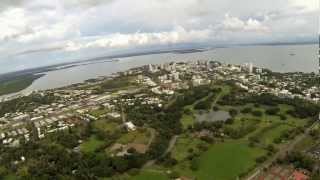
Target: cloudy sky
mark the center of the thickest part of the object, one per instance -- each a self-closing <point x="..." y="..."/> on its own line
<point x="39" y="32"/>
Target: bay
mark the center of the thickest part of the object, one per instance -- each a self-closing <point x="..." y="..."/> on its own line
<point x="284" y="58"/>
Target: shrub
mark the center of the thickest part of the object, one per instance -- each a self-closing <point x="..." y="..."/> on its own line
<point x="261" y="159"/>
<point x="246" y="110"/>
<point x="215" y="108"/>
<point x="257" y="113"/>
<point x="283" y="117"/>
<point x="194" y="164"/>
<point x="174" y="175"/>
<point x="273" y="111"/>
<point x="233" y="112"/>
<point x="230" y="121"/>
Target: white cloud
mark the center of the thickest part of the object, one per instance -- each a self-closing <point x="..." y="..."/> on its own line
<point x="58" y="31"/>
<point x="22" y="25"/>
<point x="306" y="5"/>
<point x="12" y="23"/>
<point x="70" y="26"/>
<point x="118" y="40"/>
<point x="235" y="24"/>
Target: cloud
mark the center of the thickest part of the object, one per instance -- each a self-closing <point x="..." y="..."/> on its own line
<point x="22" y="26"/>
<point x="118" y="40"/>
<point x="4" y="4"/>
<point x="306" y="5"/>
<point x="13" y="24"/>
<point x="40" y="50"/>
<point x="235" y="24"/>
<point x="86" y="3"/>
<point x="77" y="27"/>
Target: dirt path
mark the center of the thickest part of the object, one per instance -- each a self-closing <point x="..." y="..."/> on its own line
<point x="171" y="145"/>
<point x="153" y="136"/>
<point x="168" y="150"/>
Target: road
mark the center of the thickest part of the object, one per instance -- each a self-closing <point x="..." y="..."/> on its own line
<point x="282" y="152"/>
<point x="168" y="150"/>
<point x="153" y="136"/>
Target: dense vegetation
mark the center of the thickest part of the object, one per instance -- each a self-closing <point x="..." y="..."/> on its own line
<point x="58" y="155"/>
<point x="302" y="109"/>
<point x="206" y="104"/>
<point x="26" y="103"/>
<point x="16" y="84"/>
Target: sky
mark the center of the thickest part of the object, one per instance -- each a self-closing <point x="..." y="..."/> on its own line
<point x="42" y="32"/>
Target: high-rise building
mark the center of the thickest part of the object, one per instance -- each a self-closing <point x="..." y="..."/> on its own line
<point x="150" y="68"/>
<point x="248" y="67"/>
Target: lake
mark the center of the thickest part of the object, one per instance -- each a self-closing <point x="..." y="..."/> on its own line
<point x="212" y="116"/>
<point x="286" y="58"/>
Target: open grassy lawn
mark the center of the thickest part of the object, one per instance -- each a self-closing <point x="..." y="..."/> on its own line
<point x="10" y="177"/>
<point x="98" y="112"/>
<point x="187" y="120"/>
<point x="150" y="175"/>
<point x="184" y="143"/>
<point x="140" y="136"/>
<point x="273" y="132"/>
<point x="246" y="122"/>
<point x="225" y="161"/>
<point x="267" y="120"/>
<point x="91" y="144"/>
<point x="104" y="125"/>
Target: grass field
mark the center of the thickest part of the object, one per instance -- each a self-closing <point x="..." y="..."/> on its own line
<point x="91" y="144"/>
<point x="150" y="175"/>
<point x="187" y="120"/>
<point x="98" y="112"/>
<point x="225" y="161"/>
<point x="10" y="177"/>
<point x="273" y="133"/>
<point x="184" y="143"/>
<point x="229" y="159"/>
<point x="140" y="136"/>
<point x="107" y="126"/>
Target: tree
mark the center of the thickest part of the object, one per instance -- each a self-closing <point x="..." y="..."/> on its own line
<point x="3" y="171"/>
<point x="215" y="108"/>
<point x="283" y="117"/>
<point x="174" y="175"/>
<point x="257" y="113"/>
<point x="273" y="111"/>
<point x="194" y="164"/>
<point x="246" y="110"/>
<point x="120" y="164"/>
<point x="233" y="112"/>
<point x="230" y="121"/>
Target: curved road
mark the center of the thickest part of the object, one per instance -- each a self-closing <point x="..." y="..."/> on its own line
<point x="168" y="150"/>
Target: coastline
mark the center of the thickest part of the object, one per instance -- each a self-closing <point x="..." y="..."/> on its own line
<point x="17" y="84"/>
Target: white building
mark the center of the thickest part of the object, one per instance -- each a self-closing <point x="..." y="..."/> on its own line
<point x="130" y="126"/>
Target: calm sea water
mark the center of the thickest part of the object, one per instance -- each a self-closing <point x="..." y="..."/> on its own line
<point x="276" y="58"/>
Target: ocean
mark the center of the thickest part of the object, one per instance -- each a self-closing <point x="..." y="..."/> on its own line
<point x="279" y="58"/>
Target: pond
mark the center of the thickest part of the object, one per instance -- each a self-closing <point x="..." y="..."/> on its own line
<point x="212" y="116"/>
